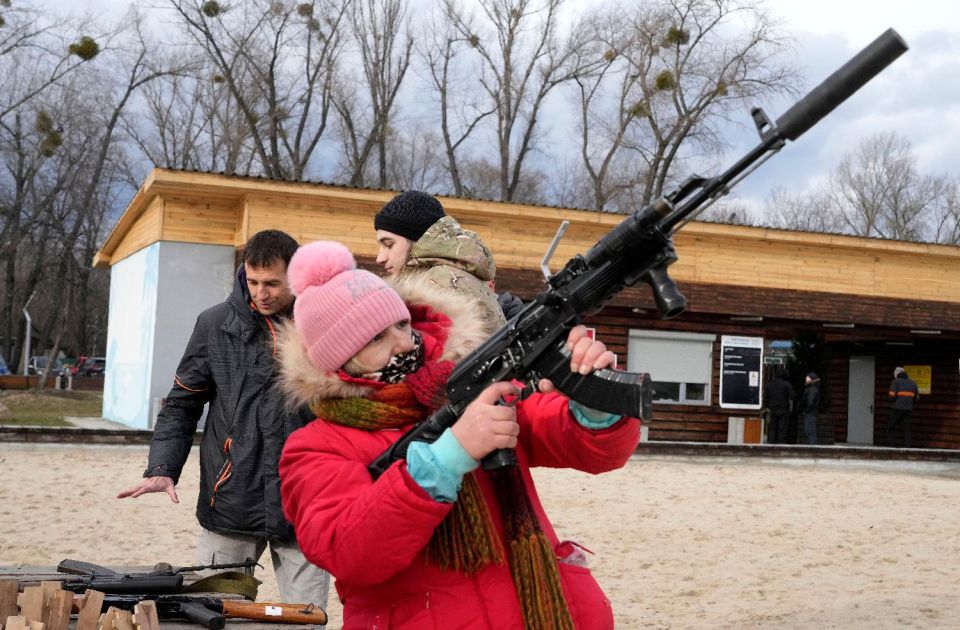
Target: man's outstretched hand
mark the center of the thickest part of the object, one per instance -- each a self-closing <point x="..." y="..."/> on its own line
<point x="152" y="484"/>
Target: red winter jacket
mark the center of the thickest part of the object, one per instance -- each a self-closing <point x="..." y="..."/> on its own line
<point x="370" y="535"/>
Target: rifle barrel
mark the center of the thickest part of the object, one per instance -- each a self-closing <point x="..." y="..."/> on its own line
<point x="804" y="114"/>
<point x="836" y="88"/>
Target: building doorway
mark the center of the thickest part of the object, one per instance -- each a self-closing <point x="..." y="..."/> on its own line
<point x="860" y="400"/>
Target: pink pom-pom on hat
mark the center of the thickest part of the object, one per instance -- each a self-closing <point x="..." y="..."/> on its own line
<point x="339" y="308"/>
<point x="315" y="263"/>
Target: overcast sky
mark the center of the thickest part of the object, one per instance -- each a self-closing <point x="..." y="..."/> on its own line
<point x="918" y="96"/>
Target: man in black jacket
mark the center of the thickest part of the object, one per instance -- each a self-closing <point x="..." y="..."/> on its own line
<point x="778" y="397"/>
<point x="229" y="364"/>
<point x="809" y="405"/>
<point x="903" y="393"/>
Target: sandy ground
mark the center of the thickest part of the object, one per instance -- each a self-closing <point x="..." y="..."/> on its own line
<point x="679" y="543"/>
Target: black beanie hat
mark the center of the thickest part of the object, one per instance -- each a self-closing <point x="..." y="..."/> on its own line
<point x="409" y="214"/>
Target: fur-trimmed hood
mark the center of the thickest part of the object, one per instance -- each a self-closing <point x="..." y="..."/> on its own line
<point x="301" y="382"/>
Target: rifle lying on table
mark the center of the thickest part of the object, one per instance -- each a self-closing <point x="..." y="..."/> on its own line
<point x="164" y="579"/>
<point x="212" y="612"/>
<point x="532" y="344"/>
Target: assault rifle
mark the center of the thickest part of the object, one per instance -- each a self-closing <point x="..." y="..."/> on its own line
<point x="164" y="579"/>
<point x="532" y="344"/>
<point x="212" y="612"/>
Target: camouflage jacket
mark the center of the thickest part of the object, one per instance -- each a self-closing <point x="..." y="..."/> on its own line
<point x="456" y="259"/>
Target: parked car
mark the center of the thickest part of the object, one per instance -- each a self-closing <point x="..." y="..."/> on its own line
<point x="3" y="367"/>
<point x="39" y="362"/>
<point x="92" y="366"/>
<point x="77" y="364"/>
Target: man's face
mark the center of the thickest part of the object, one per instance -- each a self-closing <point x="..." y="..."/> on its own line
<point x="269" y="288"/>
<point x="393" y="252"/>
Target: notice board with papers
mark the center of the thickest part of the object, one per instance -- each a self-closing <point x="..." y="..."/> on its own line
<point x="741" y="372"/>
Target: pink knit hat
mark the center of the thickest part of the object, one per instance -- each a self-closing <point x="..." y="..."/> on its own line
<point x="339" y="308"/>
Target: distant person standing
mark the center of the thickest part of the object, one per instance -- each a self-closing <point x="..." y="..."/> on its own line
<point x="809" y="403"/>
<point x="778" y="397"/>
<point x="903" y="393"/>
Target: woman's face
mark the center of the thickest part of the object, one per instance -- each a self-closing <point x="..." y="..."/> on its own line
<point x="396" y="339"/>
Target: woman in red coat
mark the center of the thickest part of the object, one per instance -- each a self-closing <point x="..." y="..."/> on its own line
<point x="434" y="542"/>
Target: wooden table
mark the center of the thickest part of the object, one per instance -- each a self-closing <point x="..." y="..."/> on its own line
<point x="33" y="573"/>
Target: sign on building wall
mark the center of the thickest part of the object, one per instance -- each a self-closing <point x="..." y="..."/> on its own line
<point x="921" y="375"/>
<point x="741" y="371"/>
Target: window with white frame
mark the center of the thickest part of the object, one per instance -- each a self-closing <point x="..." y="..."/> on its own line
<point x="679" y="363"/>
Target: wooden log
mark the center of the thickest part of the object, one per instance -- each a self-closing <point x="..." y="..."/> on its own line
<point x="17" y="622"/>
<point x="145" y="616"/>
<point x="8" y="599"/>
<point x="31" y="603"/>
<point x="59" y="610"/>
<point x="90" y="606"/>
<point x="116" y="619"/>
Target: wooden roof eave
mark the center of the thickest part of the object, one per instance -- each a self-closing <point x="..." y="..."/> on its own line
<point x="185" y="183"/>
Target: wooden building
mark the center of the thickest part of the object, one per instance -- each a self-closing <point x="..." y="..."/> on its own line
<point x="875" y="304"/>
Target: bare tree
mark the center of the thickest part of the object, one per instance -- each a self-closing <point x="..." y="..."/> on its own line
<point x="278" y="62"/>
<point x="877" y="190"/>
<point x="461" y="110"/>
<point x="947" y="219"/>
<point x="188" y="120"/>
<point x="731" y="212"/>
<point x="98" y="128"/>
<point x="606" y="112"/>
<point x="521" y="62"/>
<point x="416" y="160"/>
<point x="671" y="72"/>
<point x="28" y="192"/>
<point x="807" y="212"/>
<point x="37" y="49"/>
<point x="384" y="45"/>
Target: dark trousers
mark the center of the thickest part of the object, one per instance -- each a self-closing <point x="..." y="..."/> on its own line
<point x="810" y="427"/>
<point x="899" y="417"/>
<point x="777" y="431"/>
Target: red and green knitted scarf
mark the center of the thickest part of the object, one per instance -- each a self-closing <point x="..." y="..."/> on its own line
<point x="466" y="539"/>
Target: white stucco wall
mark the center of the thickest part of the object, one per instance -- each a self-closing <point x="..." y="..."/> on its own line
<point x="155" y="297"/>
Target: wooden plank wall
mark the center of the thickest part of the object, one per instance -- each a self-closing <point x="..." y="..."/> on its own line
<point x="208" y="221"/>
<point x="936" y="419"/>
<point x="345" y="220"/>
<point x="207" y="208"/>
<point x="144" y="231"/>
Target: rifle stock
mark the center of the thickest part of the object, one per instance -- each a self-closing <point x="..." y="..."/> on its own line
<point x="212" y="612"/>
<point x="638" y="249"/>
<point x="274" y="612"/>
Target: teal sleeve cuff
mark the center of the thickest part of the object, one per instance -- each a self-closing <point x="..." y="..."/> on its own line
<point x="439" y="467"/>
<point x="592" y="418"/>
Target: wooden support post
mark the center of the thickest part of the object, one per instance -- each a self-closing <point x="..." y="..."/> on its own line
<point x="49" y="589"/>
<point x="31" y="603"/>
<point x="8" y="600"/>
<point x="116" y="619"/>
<point x="17" y="623"/>
<point x="107" y="619"/>
<point x="145" y="616"/>
<point x="22" y="623"/>
<point x="59" y="610"/>
<point x="90" y="607"/>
